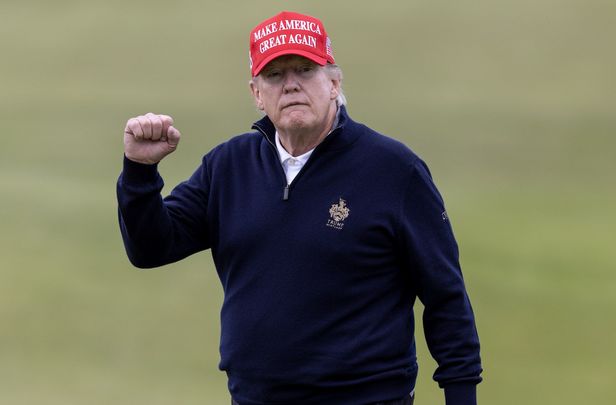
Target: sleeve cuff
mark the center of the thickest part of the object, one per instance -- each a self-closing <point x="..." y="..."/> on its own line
<point x="461" y="394"/>
<point x="134" y="172"/>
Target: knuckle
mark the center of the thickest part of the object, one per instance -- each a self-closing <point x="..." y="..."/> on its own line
<point x="133" y="125"/>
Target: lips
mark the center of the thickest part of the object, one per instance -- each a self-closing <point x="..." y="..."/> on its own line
<point x="292" y="104"/>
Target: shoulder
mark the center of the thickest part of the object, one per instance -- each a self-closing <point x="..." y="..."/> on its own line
<point x="236" y="146"/>
<point x="385" y="149"/>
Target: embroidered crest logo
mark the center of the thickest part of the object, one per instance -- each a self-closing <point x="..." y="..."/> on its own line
<point x="338" y="213"/>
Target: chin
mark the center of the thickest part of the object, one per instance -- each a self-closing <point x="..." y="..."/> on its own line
<point x="296" y="122"/>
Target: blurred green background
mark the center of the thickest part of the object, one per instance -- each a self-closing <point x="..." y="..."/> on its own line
<point x="512" y="104"/>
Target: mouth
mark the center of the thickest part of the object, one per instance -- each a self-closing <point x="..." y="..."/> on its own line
<point x="292" y="105"/>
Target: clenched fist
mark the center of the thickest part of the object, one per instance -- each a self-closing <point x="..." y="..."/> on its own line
<point x="149" y="138"/>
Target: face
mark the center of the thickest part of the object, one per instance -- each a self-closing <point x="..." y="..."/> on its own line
<point x="296" y="94"/>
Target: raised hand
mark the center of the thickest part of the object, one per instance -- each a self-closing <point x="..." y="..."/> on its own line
<point x="149" y="138"/>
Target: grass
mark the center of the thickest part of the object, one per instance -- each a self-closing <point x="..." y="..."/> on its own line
<point x="508" y="102"/>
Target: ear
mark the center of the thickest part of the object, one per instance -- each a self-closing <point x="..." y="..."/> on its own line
<point x="256" y="93"/>
<point x="335" y="90"/>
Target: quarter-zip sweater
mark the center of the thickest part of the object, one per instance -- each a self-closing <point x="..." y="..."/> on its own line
<point x="319" y="276"/>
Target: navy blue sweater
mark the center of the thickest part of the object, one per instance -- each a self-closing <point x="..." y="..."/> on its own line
<point x="319" y="276"/>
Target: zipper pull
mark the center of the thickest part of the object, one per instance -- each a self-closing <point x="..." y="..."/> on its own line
<point x="285" y="193"/>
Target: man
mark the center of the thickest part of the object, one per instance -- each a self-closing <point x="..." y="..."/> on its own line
<point x="323" y="233"/>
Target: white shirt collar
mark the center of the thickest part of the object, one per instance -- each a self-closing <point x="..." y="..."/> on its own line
<point x="284" y="155"/>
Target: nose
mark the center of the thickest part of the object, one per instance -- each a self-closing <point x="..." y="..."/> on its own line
<point x="290" y="83"/>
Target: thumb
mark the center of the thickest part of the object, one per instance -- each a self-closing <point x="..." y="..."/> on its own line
<point x="173" y="136"/>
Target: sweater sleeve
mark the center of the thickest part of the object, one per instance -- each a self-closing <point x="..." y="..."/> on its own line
<point x="159" y="231"/>
<point x="431" y="253"/>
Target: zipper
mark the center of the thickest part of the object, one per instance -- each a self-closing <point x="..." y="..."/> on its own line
<point x="285" y="190"/>
<point x="287" y="186"/>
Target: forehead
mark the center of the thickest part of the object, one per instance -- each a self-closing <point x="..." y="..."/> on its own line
<point x="288" y="61"/>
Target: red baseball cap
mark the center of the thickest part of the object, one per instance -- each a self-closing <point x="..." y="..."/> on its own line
<point x="289" y="33"/>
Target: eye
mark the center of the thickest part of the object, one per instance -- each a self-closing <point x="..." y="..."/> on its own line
<point x="306" y="68"/>
<point x="273" y="73"/>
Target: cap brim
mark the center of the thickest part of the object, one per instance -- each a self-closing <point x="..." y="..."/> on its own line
<point x="308" y="55"/>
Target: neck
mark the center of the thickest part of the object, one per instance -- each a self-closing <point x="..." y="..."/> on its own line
<point x="297" y="142"/>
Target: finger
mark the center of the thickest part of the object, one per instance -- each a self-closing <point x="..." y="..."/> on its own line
<point x="146" y="126"/>
<point x="133" y="128"/>
<point x="167" y="122"/>
<point x="157" y="126"/>
<point x="173" y="137"/>
<point x="166" y="118"/>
